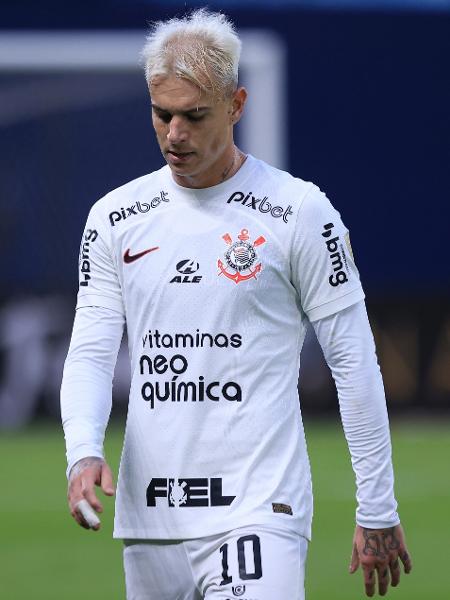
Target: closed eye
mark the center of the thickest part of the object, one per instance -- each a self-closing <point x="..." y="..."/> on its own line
<point x="195" y="117"/>
<point x="164" y="116"/>
<point x="192" y="116"/>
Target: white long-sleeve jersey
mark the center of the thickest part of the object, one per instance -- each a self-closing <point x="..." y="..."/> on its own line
<point x="216" y="287"/>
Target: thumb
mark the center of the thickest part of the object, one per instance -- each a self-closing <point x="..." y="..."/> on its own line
<point x="354" y="563"/>
<point x="106" y="480"/>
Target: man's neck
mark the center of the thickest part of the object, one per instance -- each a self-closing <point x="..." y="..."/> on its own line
<point x="217" y="174"/>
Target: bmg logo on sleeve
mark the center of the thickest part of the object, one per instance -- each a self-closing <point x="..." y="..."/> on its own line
<point x="337" y="257"/>
<point x="84" y="261"/>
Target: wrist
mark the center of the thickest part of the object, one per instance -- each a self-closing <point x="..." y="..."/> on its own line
<point x="84" y="463"/>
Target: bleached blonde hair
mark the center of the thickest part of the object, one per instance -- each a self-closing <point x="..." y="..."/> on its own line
<point x="202" y="47"/>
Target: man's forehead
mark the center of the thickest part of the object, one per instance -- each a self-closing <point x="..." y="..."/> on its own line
<point x="186" y="109"/>
<point x="173" y="93"/>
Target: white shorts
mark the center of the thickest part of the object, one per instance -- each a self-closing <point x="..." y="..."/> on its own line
<point x="250" y="563"/>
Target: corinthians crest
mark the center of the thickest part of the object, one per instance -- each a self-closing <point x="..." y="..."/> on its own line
<point x="240" y="257"/>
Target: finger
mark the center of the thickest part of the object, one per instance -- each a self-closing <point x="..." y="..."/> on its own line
<point x="88" y="514"/>
<point x="84" y="515"/>
<point x="383" y="579"/>
<point x="73" y="491"/>
<point x="88" y="492"/>
<point x="107" y="483"/>
<point x="354" y="562"/>
<point x="369" y="580"/>
<point x="406" y="560"/>
<point x="79" y="518"/>
<point x="394" y="567"/>
<point x="74" y="495"/>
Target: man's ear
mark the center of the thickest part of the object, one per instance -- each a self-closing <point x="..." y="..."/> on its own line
<point x="239" y="100"/>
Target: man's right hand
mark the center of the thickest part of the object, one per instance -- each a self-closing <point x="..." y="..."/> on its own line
<point x="84" y="476"/>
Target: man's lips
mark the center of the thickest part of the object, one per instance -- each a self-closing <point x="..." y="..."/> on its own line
<point x="179" y="156"/>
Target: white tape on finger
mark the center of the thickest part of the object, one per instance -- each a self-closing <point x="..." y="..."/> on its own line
<point x="88" y="513"/>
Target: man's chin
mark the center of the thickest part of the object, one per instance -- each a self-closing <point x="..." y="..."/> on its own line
<point x="181" y="170"/>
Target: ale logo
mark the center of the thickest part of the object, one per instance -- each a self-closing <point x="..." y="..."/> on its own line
<point x="186" y="268"/>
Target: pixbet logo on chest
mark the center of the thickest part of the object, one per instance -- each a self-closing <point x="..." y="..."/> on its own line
<point x="199" y="491"/>
<point x="261" y="204"/>
<point x="140" y="207"/>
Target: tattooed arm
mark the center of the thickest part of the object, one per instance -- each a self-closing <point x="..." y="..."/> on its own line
<point x="378" y="552"/>
<point x="349" y="349"/>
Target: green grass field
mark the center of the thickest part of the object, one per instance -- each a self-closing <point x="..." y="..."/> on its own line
<point x="44" y="555"/>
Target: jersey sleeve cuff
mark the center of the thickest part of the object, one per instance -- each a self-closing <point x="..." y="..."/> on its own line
<point x="100" y="300"/>
<point x="336" y="305"/>
<point x="370" y="524"/>
<point x="83" y="452"/>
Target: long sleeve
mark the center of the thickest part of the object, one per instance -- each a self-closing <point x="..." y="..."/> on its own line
<point x="86" y="389"/>
<point x="347" y="343"/>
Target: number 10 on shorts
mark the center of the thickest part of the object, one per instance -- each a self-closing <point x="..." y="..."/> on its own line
<point x="246" y="544"/>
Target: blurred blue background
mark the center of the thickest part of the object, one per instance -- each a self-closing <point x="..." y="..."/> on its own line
<point x="353" y="95"/>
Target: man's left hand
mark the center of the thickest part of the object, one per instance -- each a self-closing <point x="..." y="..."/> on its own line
<point x="378" y="551"/>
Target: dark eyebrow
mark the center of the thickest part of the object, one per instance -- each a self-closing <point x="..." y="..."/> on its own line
<point x="190" y="111"/>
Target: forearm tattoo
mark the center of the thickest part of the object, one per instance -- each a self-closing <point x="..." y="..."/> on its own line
<point x="380" y="543"/>
<point x="84" y="463"/>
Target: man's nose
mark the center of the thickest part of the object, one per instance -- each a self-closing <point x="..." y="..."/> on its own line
<point x="177" y="130"/>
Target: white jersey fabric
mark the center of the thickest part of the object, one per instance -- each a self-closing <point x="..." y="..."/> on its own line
<point x="216" y="286"/>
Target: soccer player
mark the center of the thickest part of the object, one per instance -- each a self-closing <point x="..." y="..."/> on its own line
<point x="216" y="263"/>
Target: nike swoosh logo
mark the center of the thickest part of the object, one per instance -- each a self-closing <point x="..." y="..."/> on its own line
<point x="129" y="258"/>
